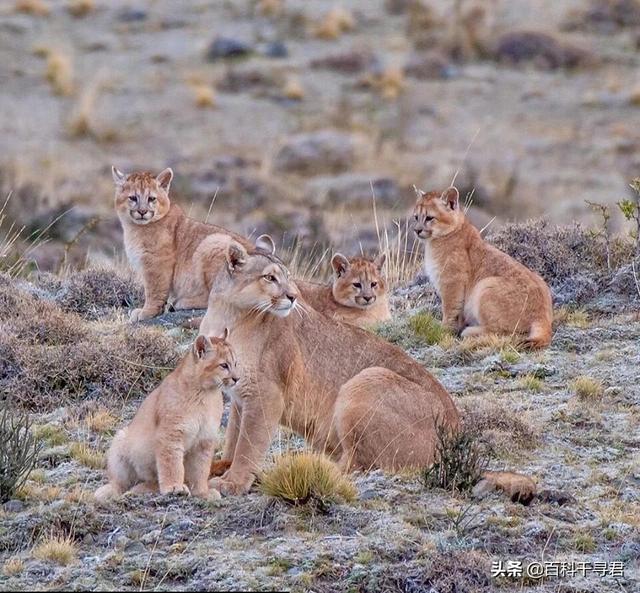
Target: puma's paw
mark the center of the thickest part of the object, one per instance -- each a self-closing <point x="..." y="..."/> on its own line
<point x="230" y="487"/>
<point x="180" y="490"/>
<point x="141" y="314"/>
<point x="213" y="494"/>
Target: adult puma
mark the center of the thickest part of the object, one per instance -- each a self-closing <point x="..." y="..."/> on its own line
<point x="357" y="294"/>
<point x="483" y="290"/>
<point x="177" y="256"/>
<point x="348" y="392"/>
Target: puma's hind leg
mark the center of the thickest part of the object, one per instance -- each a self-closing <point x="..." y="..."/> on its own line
<point x="380" y="422"/>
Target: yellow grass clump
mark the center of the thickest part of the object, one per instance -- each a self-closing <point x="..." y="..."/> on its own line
<point x="59" y="73"/>
<point x="302" y="477"/>
<point x="60" y="549"/>
<point x="12" y="567"/>
<point x="35" y="7"/>
<point x="87" y="456"/>
<point x="337" y="21"/>
<point x="101" y="420"/>
<point x="80" y="8"/>
<point x="293" y="89"/>
<point x="588" y="388"/>
<point x="426" y="327"/>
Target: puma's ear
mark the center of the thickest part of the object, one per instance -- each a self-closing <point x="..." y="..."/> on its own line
<point x="265" y="243"/>
<point x="164" y="178"/>
<point x="236" y="256"/>
<point x="118" y="177"/>
<point x="225" y="333"/>
<point x="451" y="197"/>
<point x="379" y="261"/>
<point x="200" y="346"/>
<point x="340" y="264"/>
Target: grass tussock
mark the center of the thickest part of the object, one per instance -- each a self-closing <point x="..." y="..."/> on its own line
<point x="51" y="434"/>
<point x="336" y="22"/>
<point x="87" y="456"/>
<point x="101" y="421"/>
<point x="81" y="8"/>
<point x="301" y="478"/>
<point x="499" y="427"/>
<point x="60" y="549"/>
<point x="460" y="460"/>
<point x="588" y="388"/>
<point x="427" y="328"/>
<point x="293" y="89"/>
<point x="34" y="7"/>
<point x="572" y="317"/>
<point x="12" y="566"/>
<point x="18" y="452"/>
<point x="531" y="383"/>
<point x="204" y="95"/>
<point x="48" y="356"/>
<point x="59" y="73"/>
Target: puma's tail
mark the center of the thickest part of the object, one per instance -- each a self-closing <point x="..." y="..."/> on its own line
<point x="539" y="335"/>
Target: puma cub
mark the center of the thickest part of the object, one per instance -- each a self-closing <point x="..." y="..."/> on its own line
<point x="177" y="256"/>
<point x="483" y="290"/>
<point x="169" y="444"/>
<point x="358" y="294"/>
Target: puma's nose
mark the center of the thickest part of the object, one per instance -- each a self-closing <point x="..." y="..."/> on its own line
<point x="418" y="229"/>
<point x="235" y="379"/>
<point x="142" y="211"/>
<point x="368" y="299"/>
<point x="291" y="297"/>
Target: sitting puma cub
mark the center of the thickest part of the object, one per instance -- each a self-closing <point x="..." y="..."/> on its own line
<point x="483" y="290"/>
<point x="177" y="256"/>
<point x="357" y="295"/>
<point x="169" y="444"/>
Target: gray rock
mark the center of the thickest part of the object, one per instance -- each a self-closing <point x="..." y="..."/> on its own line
<point x="319" y="152"/>
<point x="353" y="189"/>
<point x="227" y="47"/>
<point x="429" y="65"/>
<point x="275" y="49"/>
<point x="132" y="15"/>
<point x="13" y="506"/>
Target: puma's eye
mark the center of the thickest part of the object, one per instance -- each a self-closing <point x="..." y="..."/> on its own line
<point x="374" y="284"/>
<point x="428" y="218"/>
<point x="357" y="285"/>
<point x="225" y="366"/>
<point x="152" y="199"/>
<point x="133" y="198"/>
<point x="270" y="278"/>
<point x="415" y="217"/>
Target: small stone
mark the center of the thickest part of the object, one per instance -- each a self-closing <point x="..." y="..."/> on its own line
<point x="132" y="15"/>
<point x="13" y="506"/>
<point x="275" y="49"/>
<point x="369" y="494"/>
<point x="226" y="47"/>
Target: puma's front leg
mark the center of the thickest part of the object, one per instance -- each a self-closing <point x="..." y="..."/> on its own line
<point x="260" y="415"/>
<point x="196" y="467"/>
<point x="170" y="464"/>
<point x="157" y="275"/>
<point x="452" y="295"/>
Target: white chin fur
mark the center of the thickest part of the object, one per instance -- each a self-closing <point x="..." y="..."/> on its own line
<point x="281" y="312"/>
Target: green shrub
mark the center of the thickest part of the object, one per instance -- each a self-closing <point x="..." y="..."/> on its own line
<point x="426" y="327"/>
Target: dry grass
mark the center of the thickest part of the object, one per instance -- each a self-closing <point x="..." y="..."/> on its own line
<point x="336" y="22"/>
<point x="572" y="317"/>
<point x="390" y="83"/>
<point x="588" y="388"/>
<point x="204" y="95"/>
<point x="52" y="434"/>
<point x="12" y="566"/>
<point x="304" y="477"/>
<point x="584" y="542"/>
<point x="60" y="549"/>
<point x="82" y="121"/>
<point x="531" y="383"/>
<point x="34" y="7"/>
<point x="59" y="73"/>
<point x="293" y="89"/>
<point x="87" y="456"/>
<point x="101" y="420"/>
<point x="404" y="258"/>
<point x="81" y="8"/>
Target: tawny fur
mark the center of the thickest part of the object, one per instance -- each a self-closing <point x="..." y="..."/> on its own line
<point x="517" y="487"/>
<point x="482" y="289"/>
<point x="348" y="392"/>
<point x="357" y="294"/>
<point x="177" y="256"/>
<point x="169" y="444"/>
